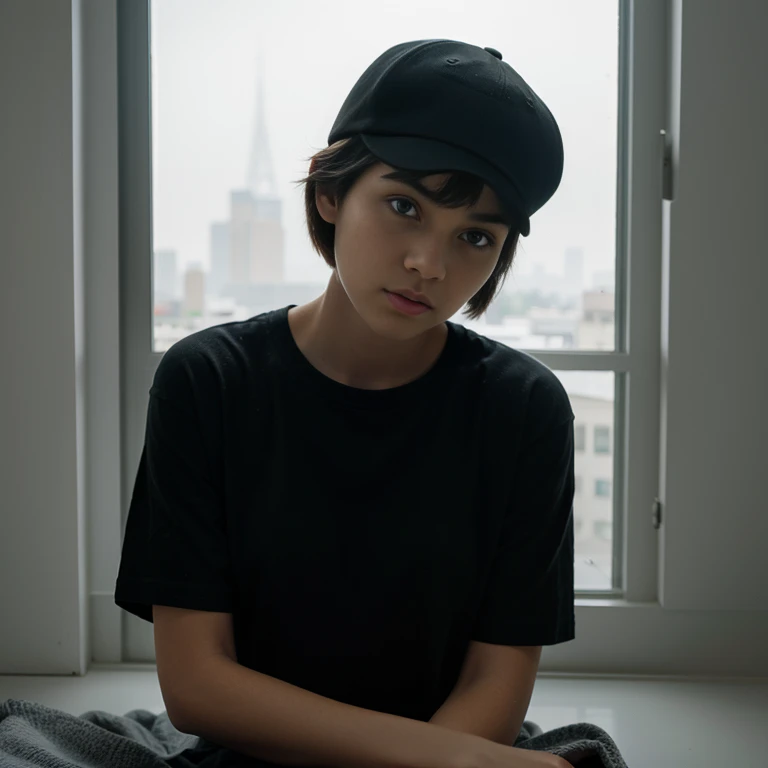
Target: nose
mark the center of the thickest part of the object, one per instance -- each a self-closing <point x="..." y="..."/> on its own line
<point x="428" y="257"/>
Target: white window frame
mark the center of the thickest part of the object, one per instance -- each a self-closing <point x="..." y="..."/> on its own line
<point x="607" y="619"/>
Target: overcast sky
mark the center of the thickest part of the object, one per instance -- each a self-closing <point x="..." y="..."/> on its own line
<point x="206" y="55"/>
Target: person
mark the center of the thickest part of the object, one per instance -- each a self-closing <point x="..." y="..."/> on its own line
<point x="360" y="490"/>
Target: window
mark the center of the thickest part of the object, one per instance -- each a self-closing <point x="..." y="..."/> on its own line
<point x="602" y="487"/>
<point x="219" y="126"/>
<point x="602" y="439"/>
<point x="229" y="238"/>
<point x="225" y="153"/>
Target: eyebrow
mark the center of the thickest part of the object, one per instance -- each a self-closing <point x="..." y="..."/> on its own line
<point x="488" y="218"/>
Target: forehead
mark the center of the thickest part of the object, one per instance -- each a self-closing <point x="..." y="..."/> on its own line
<point x="488" y="199"/>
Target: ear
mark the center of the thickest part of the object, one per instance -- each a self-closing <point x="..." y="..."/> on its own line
<point x="326" y="206"/>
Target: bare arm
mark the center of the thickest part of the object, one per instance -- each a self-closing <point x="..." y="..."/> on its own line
<point x="272" y="720"/>
<point x="493" y="692"/>
<point x="208" y="693"/>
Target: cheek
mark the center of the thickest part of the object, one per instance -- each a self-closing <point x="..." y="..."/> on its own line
<point x="372" y="238"/>
<point x="362" y="222"/>
<point x="385" y="229"/>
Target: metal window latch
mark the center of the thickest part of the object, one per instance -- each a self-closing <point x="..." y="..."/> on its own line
<point x="656" y="517"/>
<point x="666" y="165"/>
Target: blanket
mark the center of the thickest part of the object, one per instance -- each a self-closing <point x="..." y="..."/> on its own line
<point x="35" y="736"/>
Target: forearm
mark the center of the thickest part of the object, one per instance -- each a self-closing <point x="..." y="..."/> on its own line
<point x="267" y="718"/>
<point x="482" y="708"/>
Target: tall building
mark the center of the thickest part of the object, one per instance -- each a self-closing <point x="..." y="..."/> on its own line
<point x="194" y="290"/>
<point x="256" y="236"/>
<point x="596" y="328"/>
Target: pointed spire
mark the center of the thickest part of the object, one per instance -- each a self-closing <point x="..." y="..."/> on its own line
<point x="261" y="177"/>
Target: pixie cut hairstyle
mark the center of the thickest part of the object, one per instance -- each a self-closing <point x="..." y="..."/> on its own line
<point x="338" y="167"/>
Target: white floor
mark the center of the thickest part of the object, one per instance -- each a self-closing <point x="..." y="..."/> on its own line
<point x="655" y="722"/>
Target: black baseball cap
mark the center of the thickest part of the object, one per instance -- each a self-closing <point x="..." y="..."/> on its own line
<point x="441" y="105"/>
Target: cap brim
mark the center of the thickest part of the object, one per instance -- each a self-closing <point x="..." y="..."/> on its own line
<point x="420" y="154"/>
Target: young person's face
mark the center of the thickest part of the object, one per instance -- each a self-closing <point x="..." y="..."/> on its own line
<point x="389" y="236"/>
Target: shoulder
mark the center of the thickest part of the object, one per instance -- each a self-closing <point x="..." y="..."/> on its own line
<point x="204" y="362"/>
<point x="529" y="391"/>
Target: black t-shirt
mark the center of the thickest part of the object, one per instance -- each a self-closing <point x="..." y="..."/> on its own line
<point x="360" y="538"/>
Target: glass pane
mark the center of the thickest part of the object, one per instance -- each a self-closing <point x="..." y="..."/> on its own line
<point x="602" y="439"/>
<point x="592" y="400"/>
<point x="242" y="94"/>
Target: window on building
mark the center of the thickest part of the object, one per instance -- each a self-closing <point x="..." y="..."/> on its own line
<point x="602" y="487"/>
<point x="602" y="439"/>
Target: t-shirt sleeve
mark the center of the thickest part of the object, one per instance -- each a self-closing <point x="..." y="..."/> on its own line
<point x="175" y="548"/>
<point x="529" y="596"/>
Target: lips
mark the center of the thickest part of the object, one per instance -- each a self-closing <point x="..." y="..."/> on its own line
<point x="408" y="306"/>
<point x="417" y="298"/>
<point x="413" y="300"/>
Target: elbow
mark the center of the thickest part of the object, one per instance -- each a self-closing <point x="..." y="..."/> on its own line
<point x="181" y="701"/>
<point x="189" y="698"/>
<point x="177" y="716"/>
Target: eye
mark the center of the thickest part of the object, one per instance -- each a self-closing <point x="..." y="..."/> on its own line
<point x="491" y="242"/>
<point x="476" y="232"/>
<point x="402" y="200"/>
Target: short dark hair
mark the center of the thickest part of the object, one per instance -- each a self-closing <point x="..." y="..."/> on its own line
<point x="339" y="166"/>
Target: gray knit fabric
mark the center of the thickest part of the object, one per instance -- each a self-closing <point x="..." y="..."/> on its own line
<point x="32" y="734"/>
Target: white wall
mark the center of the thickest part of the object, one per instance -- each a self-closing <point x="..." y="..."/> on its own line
<point x="43" y="583"/>
<point x="714" y="356"/>
<point x="59" y="341"/>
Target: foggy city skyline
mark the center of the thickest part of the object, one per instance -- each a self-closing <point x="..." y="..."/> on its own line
<point x="207" y="61"/>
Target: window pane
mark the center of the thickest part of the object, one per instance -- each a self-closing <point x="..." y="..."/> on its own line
<point x="602" y="487"/>
<point x="602" y="439"/>
<point x="236" y="109"/>
<point x="592" y="400"/>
